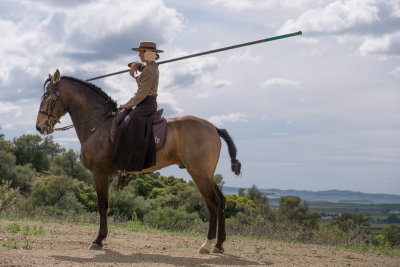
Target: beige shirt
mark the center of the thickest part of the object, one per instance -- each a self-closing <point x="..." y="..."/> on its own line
<point x="147" y="85"/>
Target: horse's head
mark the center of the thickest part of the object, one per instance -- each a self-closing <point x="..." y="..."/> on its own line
<point x="52" y="107"/>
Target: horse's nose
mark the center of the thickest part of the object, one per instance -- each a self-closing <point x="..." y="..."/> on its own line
<point x="38" y="128"/>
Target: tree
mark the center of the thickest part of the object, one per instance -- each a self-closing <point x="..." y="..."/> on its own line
<point x="392" y="235"/>
<point x="5" y="145"/>
<point x="28" y="149"/>
<point x="241" y="191"/>
<point x="68" y="163"/>
<point x="50" y="147"/>
<point x="236" y="204"/>
<point x="7" y="163"/>
<point x="348" y="221"/>
<point x="254" y="193"/>
<point x="290" y="207"/>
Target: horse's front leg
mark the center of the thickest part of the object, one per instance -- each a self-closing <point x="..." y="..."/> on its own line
<point x="101" y="183"/>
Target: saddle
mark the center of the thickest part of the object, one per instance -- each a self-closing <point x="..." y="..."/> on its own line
<point x="159" y="126"/>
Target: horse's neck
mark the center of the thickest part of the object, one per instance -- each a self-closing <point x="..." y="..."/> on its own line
<point x="86" y="110"/>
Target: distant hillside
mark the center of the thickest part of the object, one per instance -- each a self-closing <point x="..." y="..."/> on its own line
<point x="329" y="195"/>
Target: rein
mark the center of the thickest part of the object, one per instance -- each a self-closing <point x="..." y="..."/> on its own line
<point x="104" y="116"/>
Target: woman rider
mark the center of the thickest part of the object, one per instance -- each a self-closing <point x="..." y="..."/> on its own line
<point x="134" y="144"/>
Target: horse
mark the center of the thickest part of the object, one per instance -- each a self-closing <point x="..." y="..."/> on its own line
<point x="192" y="142"/>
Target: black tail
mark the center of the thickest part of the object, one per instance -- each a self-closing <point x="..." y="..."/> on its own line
<point x="235" y="164"/>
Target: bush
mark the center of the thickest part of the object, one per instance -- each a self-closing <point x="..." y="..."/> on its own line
<point x="143" y="206"/>
<point x="171" y="219"/>
<point x="10" y="199"/>
<point x="68" y="164"/>
<point x="348" y="221"/>
<point x="392" y="235"/>
<point x="235" y="204"/>
<point x="20" y="176"/>
<point x="7" y="163"/>
<point x="63" y="193"/>
<point x="291" y="209"/>
<point x="121" y="202"/>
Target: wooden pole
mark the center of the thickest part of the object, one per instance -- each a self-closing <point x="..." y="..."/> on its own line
<point x="208" y="52"/>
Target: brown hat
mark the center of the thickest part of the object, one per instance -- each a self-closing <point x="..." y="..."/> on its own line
<point x="147" y="45"/>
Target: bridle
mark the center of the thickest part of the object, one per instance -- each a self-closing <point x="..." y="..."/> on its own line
<point x="52" y="119"/>
<point x="53" y="97"/>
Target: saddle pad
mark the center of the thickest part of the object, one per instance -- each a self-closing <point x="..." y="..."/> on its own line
<point x="160" y="133"/>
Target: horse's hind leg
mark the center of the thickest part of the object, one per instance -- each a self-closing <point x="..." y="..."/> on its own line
<point x="214" y="202"/>
<point x="221" y="221"/>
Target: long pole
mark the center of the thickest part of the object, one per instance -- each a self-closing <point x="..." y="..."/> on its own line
<point x="208" y="52"/>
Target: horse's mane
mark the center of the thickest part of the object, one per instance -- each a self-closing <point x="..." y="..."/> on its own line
<point x="111" y="102"/>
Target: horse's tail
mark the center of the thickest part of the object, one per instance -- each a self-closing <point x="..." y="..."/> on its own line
<point x="235" y="163"/>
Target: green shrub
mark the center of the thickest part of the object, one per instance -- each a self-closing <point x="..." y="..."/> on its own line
<point x="7" y="163"/>
<point x="13" y="228"/>
<point x="291" y="209"/>
<point x="10" y="199"/>
<point x="235" y="204"/>
<point x="392" y="235"/>
<point x="348" y="221"/>
<point x="142" y="206"/>
<point x="171" y="219"/>
<point x="121" y="201"/>
<point x="20" y="176"/>
<point x="68" y="164"/>
<point x="62" y="193"/>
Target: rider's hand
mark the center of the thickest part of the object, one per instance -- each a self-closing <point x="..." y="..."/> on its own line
<point x="134" y="69"/>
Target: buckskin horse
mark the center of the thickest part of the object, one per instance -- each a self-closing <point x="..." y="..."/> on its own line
<point x="192" y="142"/>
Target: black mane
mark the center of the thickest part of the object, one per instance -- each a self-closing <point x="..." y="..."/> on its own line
<point x="111" y="102"/>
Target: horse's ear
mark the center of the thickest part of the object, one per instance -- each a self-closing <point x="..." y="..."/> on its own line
<point x="56" y="77"/>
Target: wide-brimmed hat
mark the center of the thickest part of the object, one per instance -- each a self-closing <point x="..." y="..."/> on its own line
<point x="148" y="46"/>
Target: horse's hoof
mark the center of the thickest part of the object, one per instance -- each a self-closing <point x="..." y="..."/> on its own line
<point x="95" y="246"/>
<point x="204" y="251"/>
<point x="218" y="250"/>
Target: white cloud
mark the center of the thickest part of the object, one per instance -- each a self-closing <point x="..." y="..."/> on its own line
<point x="222" y="84"/>
<point x="388" y="43"/>
<point x="8" y="127"/>
<point x="233" y="117"/>
<point x="45" y="37"/>
<point x="279" y="82"/>
<point x="240" y="5"/>
<point x="8" y="108"/>
<point x="336" y="16"/>
<point x="188" y="74"/>
<point x="246" y="56"/>
<point x="396" y="72"/>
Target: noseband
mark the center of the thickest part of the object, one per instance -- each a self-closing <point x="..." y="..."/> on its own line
<point x="54" y="96"/>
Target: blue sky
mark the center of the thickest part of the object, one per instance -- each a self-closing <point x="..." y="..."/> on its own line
<point x="315" y="112"/>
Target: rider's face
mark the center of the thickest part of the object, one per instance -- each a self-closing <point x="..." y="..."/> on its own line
<point x="141" y="55"/>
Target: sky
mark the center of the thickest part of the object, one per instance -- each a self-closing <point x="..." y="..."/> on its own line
<point x="313" y="112"/>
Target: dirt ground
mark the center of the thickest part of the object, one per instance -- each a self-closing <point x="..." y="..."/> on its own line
<point x="67" y="245"/>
